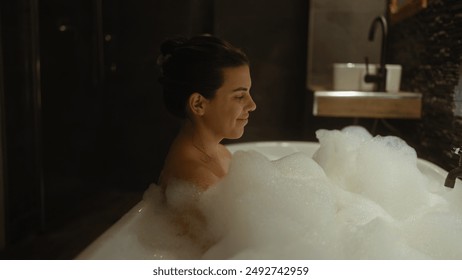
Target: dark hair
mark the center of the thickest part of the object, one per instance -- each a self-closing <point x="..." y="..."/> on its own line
<point x="194" y="65"/>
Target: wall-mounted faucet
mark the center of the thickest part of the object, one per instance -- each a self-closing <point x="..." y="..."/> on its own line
<point x="380" y="79"/>
<point x="456" y="172"/>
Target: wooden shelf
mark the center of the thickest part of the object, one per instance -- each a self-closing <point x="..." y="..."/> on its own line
<point x="399" y="105"/>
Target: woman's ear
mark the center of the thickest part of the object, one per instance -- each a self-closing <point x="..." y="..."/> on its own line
<point x="197" y="103"/>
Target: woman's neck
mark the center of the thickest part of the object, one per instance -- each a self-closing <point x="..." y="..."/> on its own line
<point x="201" y="139"/>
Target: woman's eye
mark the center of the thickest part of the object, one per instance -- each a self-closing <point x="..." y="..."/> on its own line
<point x="240" y="96"/>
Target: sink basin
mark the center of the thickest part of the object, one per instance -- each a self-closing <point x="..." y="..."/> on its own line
<point x="395" y="105"/>
<point x="350" y="76"/>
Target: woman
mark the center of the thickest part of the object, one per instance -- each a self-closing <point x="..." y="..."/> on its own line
<point x="206" y="83"/>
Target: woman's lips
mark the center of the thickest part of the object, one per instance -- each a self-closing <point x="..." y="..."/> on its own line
<point x="246" y="120"/>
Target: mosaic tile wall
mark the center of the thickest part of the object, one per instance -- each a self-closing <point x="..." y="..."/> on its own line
<point x="429" y="47"/>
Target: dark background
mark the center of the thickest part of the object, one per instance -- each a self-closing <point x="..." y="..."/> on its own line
<point x="84" y="130"/>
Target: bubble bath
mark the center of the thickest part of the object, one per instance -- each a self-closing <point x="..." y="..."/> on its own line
<point x="357" y="197"/>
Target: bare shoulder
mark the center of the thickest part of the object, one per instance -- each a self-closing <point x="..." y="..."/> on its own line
<point x="186" y="164"/>
<point x="201" y="176"/>
<point x="190" y="168"/>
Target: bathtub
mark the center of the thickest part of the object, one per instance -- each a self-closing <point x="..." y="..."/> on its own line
<point x="108" y="245"/>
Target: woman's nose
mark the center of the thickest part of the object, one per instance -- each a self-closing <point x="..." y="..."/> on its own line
<point x="251" y="106"/>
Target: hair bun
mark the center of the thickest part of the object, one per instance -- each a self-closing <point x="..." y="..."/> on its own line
<point x="170" y="45"/>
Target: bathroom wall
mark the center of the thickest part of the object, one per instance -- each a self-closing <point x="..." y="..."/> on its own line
<point x="2" y="196"/>
<point x="2" y="192"/>
<point x="338" y="33"/>
<point x="20" y="134"/>
<point x="2" y="169"/>
<point x="429" y="47"/>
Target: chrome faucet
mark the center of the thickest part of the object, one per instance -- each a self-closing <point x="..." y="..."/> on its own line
<point x="380" y="79"/>
<point x="456" y="172"/>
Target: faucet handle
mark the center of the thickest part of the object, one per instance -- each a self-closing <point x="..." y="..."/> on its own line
<point x="456" y="150"/>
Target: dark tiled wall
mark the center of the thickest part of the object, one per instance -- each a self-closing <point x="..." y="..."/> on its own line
<point x="429" y="46"/>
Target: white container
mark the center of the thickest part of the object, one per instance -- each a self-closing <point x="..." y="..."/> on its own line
<point x="393" y="77"/>
<point x="350" y="76"/>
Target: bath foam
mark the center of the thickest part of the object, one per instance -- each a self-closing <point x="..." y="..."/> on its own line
<point x="261" y="210"/>
<point x="383" y="169"/>
<point x="359" y="197"/>
<point x="158" y="232"/>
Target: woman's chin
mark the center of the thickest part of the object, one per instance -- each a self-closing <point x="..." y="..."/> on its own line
<point x="236" y="134"/>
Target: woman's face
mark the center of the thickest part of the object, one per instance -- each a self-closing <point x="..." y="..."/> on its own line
<point x="228" y="111"/>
